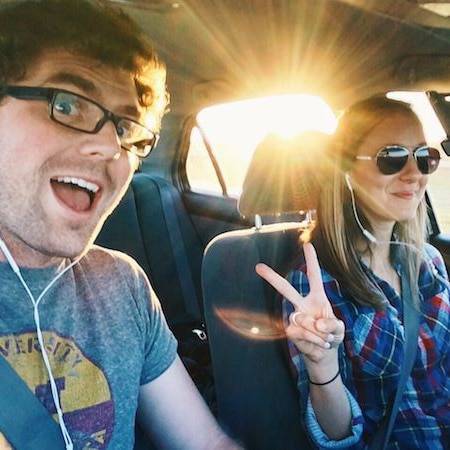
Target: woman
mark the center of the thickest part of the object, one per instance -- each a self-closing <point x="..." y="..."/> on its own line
<point x="345" y="321"/>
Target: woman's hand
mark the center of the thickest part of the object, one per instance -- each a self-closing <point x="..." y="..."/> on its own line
<point x="313" y="327"/>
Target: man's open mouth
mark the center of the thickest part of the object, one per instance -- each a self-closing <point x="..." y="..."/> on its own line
<point x="76" y="193"/>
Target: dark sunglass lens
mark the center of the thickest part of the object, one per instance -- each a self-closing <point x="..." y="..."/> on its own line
<point x="427" y="159"/>
<point x="391" y="160"/>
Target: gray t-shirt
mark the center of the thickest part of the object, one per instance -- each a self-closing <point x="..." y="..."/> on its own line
<point x="104" y="338"/>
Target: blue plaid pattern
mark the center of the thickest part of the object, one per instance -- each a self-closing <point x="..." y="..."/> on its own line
<point x="371" y="359"/>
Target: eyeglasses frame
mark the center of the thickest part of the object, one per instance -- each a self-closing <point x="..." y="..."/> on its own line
<point x="49" y="94"/>
<point x="410" y="152"/>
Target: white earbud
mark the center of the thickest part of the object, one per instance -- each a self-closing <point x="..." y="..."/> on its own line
<point x="373" y="239"/>
<point x="347" y="181"/>
<point x="365" y="232"/>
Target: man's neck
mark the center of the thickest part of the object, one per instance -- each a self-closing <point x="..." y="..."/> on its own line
<point x="24" y="255"/>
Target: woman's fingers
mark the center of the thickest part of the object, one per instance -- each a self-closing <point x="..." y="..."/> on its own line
<point x="311" y="351"/>
<point x="299" y="333"/>
<point x="316" y="303"/>
<point x="334" y="328"/>
<point x="313" y="269"/>
<point x="317" y="293"/>
<point x="309" y="323"/>
<point x="280" y="284"/>
<point x="314" y="338"/>
<point x="330" y="325"/>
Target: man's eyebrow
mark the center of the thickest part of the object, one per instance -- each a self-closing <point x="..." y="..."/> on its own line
<point x="131" y="112"/>
<point x="89" y="87"/>
<point x="77" y="81"/>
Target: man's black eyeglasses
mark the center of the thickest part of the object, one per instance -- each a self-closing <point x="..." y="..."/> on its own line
<point x="82" y="114"/>
<point x="392" y="158"/>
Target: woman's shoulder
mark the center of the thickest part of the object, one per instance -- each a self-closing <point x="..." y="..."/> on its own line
<point x="432" y="251"/>
<point x="434" y="260"/>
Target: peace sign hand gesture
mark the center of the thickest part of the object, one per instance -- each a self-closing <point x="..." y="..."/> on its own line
<point x="313" y="328"/>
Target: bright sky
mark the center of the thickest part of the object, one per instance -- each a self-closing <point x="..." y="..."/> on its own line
<point x="235" y="129"/>
<point x="434" y="133"/>
<point x="251" y="120"/>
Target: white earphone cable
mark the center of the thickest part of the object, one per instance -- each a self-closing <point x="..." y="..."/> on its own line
<point x="54" y="389"/>
<point x="374" y="240"/>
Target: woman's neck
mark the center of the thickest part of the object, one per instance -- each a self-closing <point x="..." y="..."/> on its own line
<point x="383" y="231"/>
<point x="377" y="253"/>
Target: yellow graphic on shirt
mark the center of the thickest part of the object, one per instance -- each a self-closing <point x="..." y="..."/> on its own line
<point x="83" y="389"/>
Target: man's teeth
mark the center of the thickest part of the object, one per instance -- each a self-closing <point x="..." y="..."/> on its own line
<point x="79" y="182"/>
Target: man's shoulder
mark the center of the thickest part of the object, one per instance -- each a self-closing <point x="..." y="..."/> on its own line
<point x="105" y="267"/>
<point x="101" y="259"/>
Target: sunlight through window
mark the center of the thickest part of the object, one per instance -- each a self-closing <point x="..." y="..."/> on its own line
<point x="434" y="135"/>
<point x="235" y="129"/>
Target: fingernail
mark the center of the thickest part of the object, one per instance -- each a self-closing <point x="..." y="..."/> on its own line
<point x="327" y="345"/>
<point x="330" y="338"/>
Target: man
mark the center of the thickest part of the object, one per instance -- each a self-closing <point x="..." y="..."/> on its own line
<point x="79" y="87"/>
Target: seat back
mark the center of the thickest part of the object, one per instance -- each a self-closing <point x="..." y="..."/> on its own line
<point x="151" y="225"/>
<point x="257" y="398"/>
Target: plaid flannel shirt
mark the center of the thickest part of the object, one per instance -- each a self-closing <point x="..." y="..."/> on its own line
<point x="371" y="358"/>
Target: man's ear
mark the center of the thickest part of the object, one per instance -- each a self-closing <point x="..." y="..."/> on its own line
<point x="136" y="163"/>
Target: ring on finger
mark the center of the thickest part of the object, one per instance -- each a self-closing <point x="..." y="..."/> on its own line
<point x="294" y="316"/>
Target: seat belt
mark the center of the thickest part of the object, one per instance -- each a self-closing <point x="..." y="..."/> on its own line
<point x="24" y="421"/>
<point x="177" y="242"/>
<point x="411" y="327"/>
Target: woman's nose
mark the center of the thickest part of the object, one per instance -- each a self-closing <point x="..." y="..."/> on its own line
<point x="411" y="169"/>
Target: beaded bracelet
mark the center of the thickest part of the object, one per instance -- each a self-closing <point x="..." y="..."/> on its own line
<point x="326" y="382"/>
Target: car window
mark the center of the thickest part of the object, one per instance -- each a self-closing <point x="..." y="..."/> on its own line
<point x="434" y="134"/>
<point x="233" y="131"/>
<point x="199" y="166"/>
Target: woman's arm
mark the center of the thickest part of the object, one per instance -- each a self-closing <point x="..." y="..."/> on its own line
<point x="327" y="391"/>
<point x="317" y="333"/>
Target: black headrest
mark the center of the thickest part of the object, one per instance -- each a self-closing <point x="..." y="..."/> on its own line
<point x="284" y="175"/>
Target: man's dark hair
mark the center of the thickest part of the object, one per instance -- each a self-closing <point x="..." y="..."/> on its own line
<point x="85" y="28"/>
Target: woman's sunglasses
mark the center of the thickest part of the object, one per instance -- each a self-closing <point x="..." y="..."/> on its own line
<point x="392" y="158"/>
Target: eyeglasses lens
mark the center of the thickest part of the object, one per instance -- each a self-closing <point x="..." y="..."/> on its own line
<point x="76" y="112"/>
<point x="427" y="159"/>
<point x="135" y="137"/>
<point x="391" y="160"/>
<point x="81" y="114"/>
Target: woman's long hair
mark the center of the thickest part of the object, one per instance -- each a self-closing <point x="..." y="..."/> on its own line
<point x="337" y="233"/>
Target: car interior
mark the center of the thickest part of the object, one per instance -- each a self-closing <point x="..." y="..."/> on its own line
<point x="205" y="206"/>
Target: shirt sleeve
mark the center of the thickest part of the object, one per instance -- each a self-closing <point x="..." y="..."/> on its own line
<point x="319" y="437"/>
<point x="160" y="344"/>
<point x="438" y="266"/>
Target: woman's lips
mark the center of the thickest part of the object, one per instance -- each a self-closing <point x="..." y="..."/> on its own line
<point x="407" y="195"/>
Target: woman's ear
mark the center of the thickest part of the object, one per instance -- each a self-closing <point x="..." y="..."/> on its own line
<point x="348" y="181"/>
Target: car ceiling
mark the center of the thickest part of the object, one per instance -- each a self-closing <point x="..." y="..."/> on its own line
<point x="217" y="50"/>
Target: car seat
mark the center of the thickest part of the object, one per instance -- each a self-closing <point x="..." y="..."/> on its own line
<point x="257" y="398"/>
